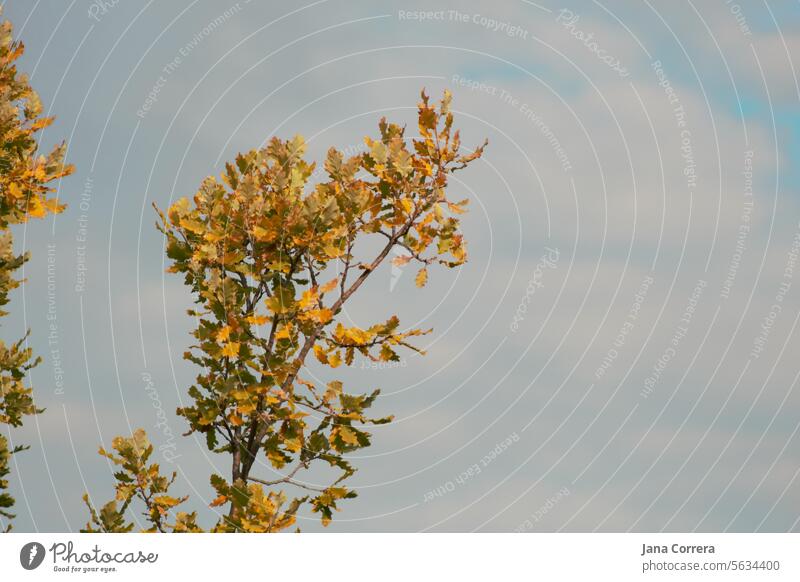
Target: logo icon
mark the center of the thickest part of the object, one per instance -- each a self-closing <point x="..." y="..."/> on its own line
<point x="31" y="555"/>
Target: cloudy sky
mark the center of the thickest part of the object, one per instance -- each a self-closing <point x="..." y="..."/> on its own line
<point x="620" y="352"/>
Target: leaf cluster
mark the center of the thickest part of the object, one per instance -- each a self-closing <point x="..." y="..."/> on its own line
<point x="25" y="187"/>
<point x="271" y="261"/>
<point x="138" y="480"/>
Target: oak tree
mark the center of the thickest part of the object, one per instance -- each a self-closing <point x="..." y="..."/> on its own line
<point x="25" y="192"/>
<point x="271" y="263"/>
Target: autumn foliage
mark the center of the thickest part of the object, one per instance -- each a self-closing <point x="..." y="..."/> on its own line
<point x="271" y="262"/>
<point x="25" y="192"/>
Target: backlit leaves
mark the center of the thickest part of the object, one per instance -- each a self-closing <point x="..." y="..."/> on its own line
<point x="25" y="188"/>
<point x="138" y="481"/>
<point x="271" y="262"/>
<point x="24" y="176"/>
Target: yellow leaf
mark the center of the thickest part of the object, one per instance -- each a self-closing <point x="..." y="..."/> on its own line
<point x="333" y="251"/>
<point x="263" y="235"/>
<point x="422" y="277"/>
<point x="276" y="458"/>
<point x="357" y="336"/>
<point x="348" y="435"/>
<point x="191" y="225"/>
<point x="309" y="298"/>
<point x="257" y="319"/>
<point x="178" y="209"/>
<point x="53" y="206"/>
<point x="213" y="237"/>
<point x="321" y="315"/>
<point x="455" y="208"/>
<point x="378" y="153"/>
<point x="224" y="333"/>
<point x="231" y="349"/>
<point x="329" y="286"/>
<point x="246" y="407"/>
<point x="36" y="209"/>
<point x="333" y="391"/>
<point x="401" y="260"/>
<point x="166" y="501"/>
<point x="320" y="353"/>
<point x="240" y="395"/>
<point x="294" y="445"/>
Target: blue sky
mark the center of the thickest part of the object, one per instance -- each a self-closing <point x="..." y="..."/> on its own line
<point x="713" y="447"/>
